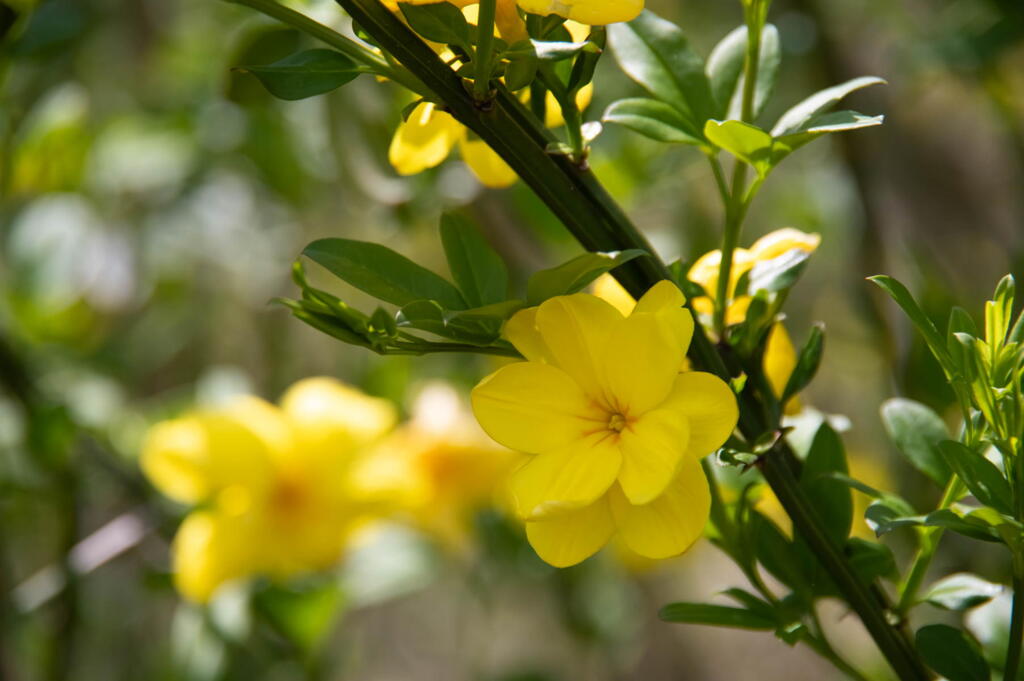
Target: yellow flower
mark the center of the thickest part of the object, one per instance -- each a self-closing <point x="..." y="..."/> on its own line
<point x="593" y="12"/>
<point x="439" y="469"/>
<point x="780" y="355"/>
<point x="429" y="134"/>
<point x="614" y="431"/>
<point x="270" y="482"/>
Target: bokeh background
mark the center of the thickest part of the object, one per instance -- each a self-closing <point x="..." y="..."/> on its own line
<point x="153" y="201"/>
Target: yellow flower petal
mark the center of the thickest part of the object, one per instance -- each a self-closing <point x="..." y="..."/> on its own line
<point x="521" y="331"/>
<point x="608" y="288"/>
<point x="779" y="358"/>
<point x="641" y="360"/>
<point x="424" y="140"/>
<point x="486" y="164"/>
<point x="567" y="478"/>
<point x="592" y="12"/>
<point x="326" y="411"/>
<point x="652" y="448"/>
<point x="666" y="300"/>
<point x="575" y="329"/>
<point x="533" y="407"/>
<point x="572" y="537"/>
<point x="782" y="241"/>
<point x="192" y="458"/>
<point x="210" y="550"/>
<point x="709" y="406"/>
<point x="671" y="523"/>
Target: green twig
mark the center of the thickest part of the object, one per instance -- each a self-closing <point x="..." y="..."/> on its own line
<point x="928" y="544"/>
<point x="484" y="50"/>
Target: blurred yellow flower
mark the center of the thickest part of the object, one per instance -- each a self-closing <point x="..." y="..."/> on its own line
<point x="593" y="12"/>
<point x="428" y="136"/>
<point x="439" y="469"/>
<point x="271" y="484"/>
<point x="780" y="355"/>
<point x="614" y="431"/>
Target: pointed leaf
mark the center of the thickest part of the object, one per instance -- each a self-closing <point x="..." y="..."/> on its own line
<point x="793" y="120"/>
<point x="951" y="653"/>
<point x="917" y="431"/>
<point x="983" y="479"/>
<point x="305" y="74"/>
<point x="479" y="272"/>
<point x="575" y="275"/>
<point x="715" y="615"/>
<point x="653" y="119"/>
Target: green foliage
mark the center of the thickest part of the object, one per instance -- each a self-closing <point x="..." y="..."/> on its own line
<point x="917" y="431"/>
<point x="806" y="365"/>
<point x="478" y="270"/>
<point x="831" y="498"/>
<point x="961" y="591"/>
<point x="440" y="22"/>
<point x="306" y="74"/>
<point x="725" y="70"/>
<point x="715" y="615"/>
<point x="575" y="275"/>
<point x="982" y="478"/>
<point x="951" y="653"/>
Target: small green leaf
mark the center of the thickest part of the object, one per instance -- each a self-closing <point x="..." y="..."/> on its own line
<point x="656" y="54"/>
<point x="520" y="72"/>
<point x="797" y="118"/>
<point x="838" y="121"/>
<point x="382" y="273"/>
<point x="998" y="312"/>
<point x="951" y="653"/>
<point x="983" y="479"/>
<point x="778" y="273"/>
<point x="725" y="70"/>
<point x="888" y="513"/>
<point x="961" y="591"/>
<point x="715" y="615"/>
<point x="496" y="311"/>
<point x="479" y="272"/>
<point x="653" y="119"/>
<point x="440" y="22"/>
<point x="917" y="431"/>
<point x="924" y="325"/>
<point x="305" y="74"/>
<point x="830" y="498"/>
<point x="871" y="560"/>
<point x="807" y="363"/>
<point x="304" y="614"/>
<point x="574" y="275"/>
<point x="747" y="142"/>
<point x="970" y="526"/>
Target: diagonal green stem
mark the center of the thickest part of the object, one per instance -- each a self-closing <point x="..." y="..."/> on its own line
<point x="576" y="197"/>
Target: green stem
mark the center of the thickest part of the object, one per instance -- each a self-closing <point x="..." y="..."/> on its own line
<point x="346" y="46"/>
<point x="738" y="201"/>
<point x="929" y="543"/>
<point x="484" y="50"/>
<point x="821" y="645"/>
<point x="1011" y="669"/>
<point x="576" y="197"/>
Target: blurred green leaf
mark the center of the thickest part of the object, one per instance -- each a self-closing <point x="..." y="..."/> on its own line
<point x="305" y="74"/>
<point x="715" y="615"/>
<point x="983" y="479"/>
<point x="871" y="560"/>
<point x="575" y="275"/>
<point x="917" y="431"/>
<point x="383" y="273"/>
<point x="961" y="591"/>
<point x="479" y="272"/>
<point x="656" y="54"/>
<point x="951" y="653"/>
<point x="998" y="312"/>
<point x="304" y="613"/>
<point x="653" y="119"/>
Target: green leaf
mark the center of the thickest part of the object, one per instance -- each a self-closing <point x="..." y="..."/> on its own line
<point x="798" y="117"/>
<point x="304" y="614"/>
<point x="777" y="553"/>
<point x="573" y="276"/>
<point x="830" y="498"/>
<point x="951" y="653"/>
<point x="917" y="431"/>
<point x="747" y="142"/>
<point x="924" y="325"/>
<point x="520" y="72"/>
<point x="807" y="363"/>
<point x="998" y="312"/>
<point x="496" y="311"/>
<point x="715" y="615"/>
<point x="970" y="526"/>
<point x="888" y="513"/>
<point x="305" y="74"/>
<point x="656" y="54"/>
<point x="983" y="479"/>
<point x="725" y="70"/>
<point x="778" y="273"/>
<point x="549" y="50"/>
<point x="961" y="591"/>
<point x="479" y="272"/>
<point x="838" y="121"/>
<point x="651" y="118"/>
<point x="440" y="22"/>
<point x="382" y="273"/>
<point x="871" y="560"/>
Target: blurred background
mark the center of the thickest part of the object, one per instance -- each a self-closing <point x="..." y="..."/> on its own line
<point x="154" y="200"/>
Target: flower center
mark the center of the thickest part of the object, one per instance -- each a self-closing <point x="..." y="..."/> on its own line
<point x="617" y="422"/>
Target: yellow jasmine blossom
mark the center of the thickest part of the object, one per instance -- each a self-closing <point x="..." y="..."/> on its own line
<point x="439" y="469"/>
<point x="593" y="12"/>
<point x="270" y="483"/>
<point x="780" y="355"/>
<point x="614" y="432"/>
